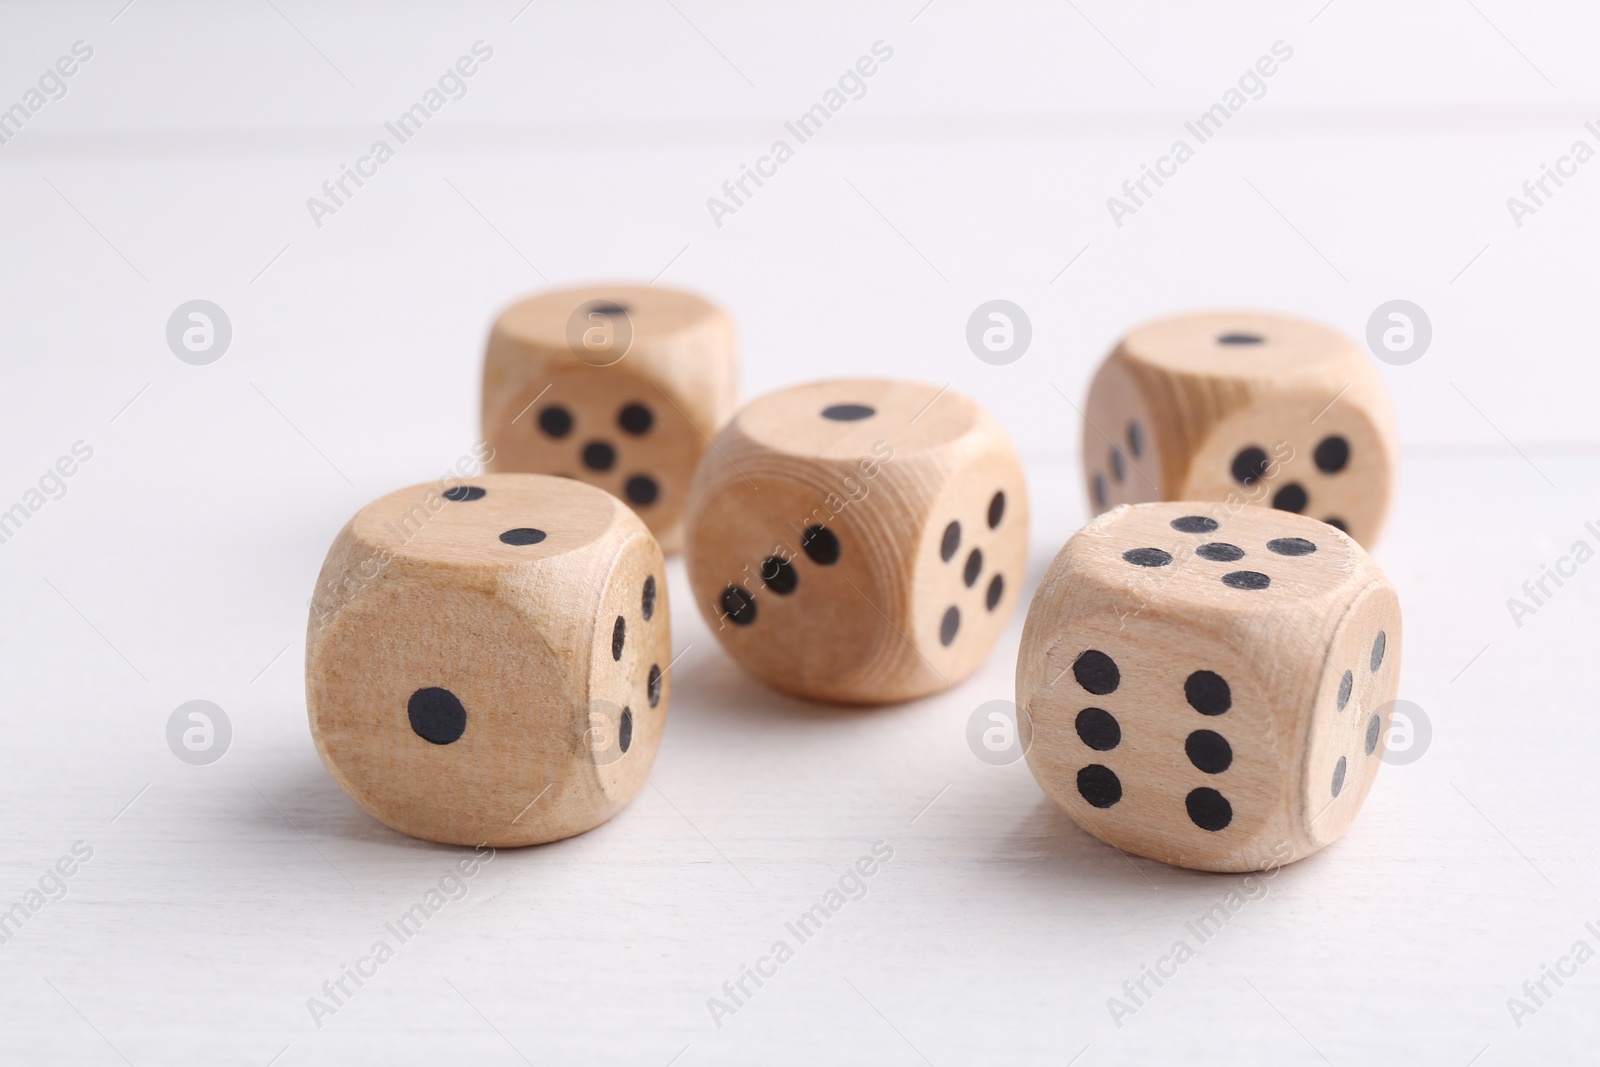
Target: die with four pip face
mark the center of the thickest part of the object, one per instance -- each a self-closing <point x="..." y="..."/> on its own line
<point x="620" y="386"/>
<point x="863" y="541"/>
<point x="1242" y="407"/>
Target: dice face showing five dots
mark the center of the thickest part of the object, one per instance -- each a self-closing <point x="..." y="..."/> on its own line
<point x="618" y="386"/>
<point x="486" y="660"/>
<point x="858" y="541"/>
<point x="1209" y="687"/>
<point x="1243" y="407"/>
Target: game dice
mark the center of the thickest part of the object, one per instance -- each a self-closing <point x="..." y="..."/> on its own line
<point x="619" y="386"/>
<point x="858" y="541"/>
<point x="1243" y="407"/>
<point x="1209" y="687"/>
<point x="486" y="660"/>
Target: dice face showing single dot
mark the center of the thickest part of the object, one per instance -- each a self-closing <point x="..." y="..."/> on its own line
<point x="858" y="541"/>
<point x="436" y="715"/>
<point x="479" y="657"/>
<point x="1296" y="419"/>
<point x="1199" y="714"/>
<point x="634" y="423"/>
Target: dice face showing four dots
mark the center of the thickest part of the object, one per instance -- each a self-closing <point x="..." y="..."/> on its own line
<point x="1208" y="687"/>
<point x="618" y="386"/>
<point x="486" y="660"/>
<point x="858" y="541"/>
<point x="1243" y="407"/>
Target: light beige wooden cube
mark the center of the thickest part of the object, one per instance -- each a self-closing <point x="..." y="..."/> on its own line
<point x="1206" y="687"/>
<point x="486" y="660"/>
<point x="620" y="386"/>
<point x="1243" y="407"/>
<point x="859" y="541"/>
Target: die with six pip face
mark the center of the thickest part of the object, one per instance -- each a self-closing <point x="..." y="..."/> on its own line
<point x="620" y="386"/>
<point x="859" y="541"/>
<point x="1243" y="407"/>
<point x="486" y="661"/>
<point x="1209" y="687"/>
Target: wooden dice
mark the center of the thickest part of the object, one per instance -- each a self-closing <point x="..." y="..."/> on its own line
<point x="1209" y="687"/>
<point x="486" y="660"/>
<point x="858" y="541"/>
<point x="1243" y="407"/>
<point x="620" y="386"/>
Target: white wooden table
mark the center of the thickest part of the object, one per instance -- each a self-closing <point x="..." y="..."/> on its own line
<point x="176" y="561"/>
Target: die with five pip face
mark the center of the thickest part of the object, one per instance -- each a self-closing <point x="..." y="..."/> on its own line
<point x="486" y="664"/>
<point x="1243" y="407"/>
<point x="620" y="386"/>
<point x="858" y="541"/>
<point x="1209" y="687"/>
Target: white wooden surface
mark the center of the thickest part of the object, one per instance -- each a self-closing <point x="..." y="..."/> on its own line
<point x="178" y="563"/>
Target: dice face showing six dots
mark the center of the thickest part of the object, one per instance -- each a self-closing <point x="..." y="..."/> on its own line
<point x="486" y="660"/>
<point x="1243" y="407"/>
<point x="617" y="386"/>
<point x="1207" y="687"/>
<point x="858" y="541"/>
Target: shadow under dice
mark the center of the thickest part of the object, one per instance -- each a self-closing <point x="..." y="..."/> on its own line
<point x="616" y="386"/>
<point x="1208" y="689"/>
<point x="858" y="541"/>
<point x="1243" y="407"/>
<point x="485" y="661"/>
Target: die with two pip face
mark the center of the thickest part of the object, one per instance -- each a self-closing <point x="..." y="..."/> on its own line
<point x="1209" y="687"/>
<point x="858" y="541"/>
<point x="620" y="386"/>
<point x="486" y="662"/>
<point x="1243" y="407"/>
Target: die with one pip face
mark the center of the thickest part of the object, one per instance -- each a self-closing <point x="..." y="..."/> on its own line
<point x="1207" y="687"/>
<point x="620" y="386"/>
<point x="1243" y="407"/>
<point x="486" y="660"/>
<point x="858" y="541"/>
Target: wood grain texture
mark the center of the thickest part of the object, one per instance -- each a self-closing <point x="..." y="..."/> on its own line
<point x="544" y="642"/>
<point x="1268" y="699"/>
<point x="1177" y="401"/>
<point x="923" y="510"/>
<point x="594" y="357"/>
